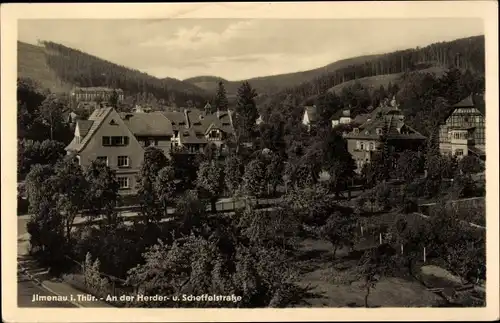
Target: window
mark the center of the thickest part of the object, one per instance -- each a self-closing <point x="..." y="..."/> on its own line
<point x="103" y="159"/>
<point x="78" y="160"/>
<point x="358" y="145"/>
<point x="77" y="139"/>
<point x="362" y="146"/>
<point x="123" y="182"/>
<point x="379" y="131"/>
<point x="113" y="122"/>
<point x="459" y="152"/>
<point x="115" y="141"/>
<point x="123" y="161"/>
<point x="372" y="146"/>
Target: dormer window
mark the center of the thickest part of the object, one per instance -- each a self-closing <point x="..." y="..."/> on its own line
<point x="356" y="130"/>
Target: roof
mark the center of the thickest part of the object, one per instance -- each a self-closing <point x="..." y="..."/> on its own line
<point x="84" y="126"/>
<point x="476" y="151"/>
<point x="361" y="118"/>
<point x="465" y="103"/>
<point x="97" y="117"/>
<point x="176" y="118"/>
<point x="312" y="112"/>
<point x="395" y="126"/>
<point x="147" y="124"/>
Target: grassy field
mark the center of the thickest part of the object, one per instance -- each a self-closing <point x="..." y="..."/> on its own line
<point x="321" y="273"/>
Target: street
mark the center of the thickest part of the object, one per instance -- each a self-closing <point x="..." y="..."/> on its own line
<point x="27" y="288"/>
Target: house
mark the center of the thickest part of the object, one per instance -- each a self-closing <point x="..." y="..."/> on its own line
<point x="106" y="137"/>
<point x="194" y="129"/>
<point x="93" y="93"/>
<point x="310" y="116"/>
<point x="342" y="117"/>
<point x="385" y="121"/>
<point x="463" y="131"/>
<point x="120" y="139"/>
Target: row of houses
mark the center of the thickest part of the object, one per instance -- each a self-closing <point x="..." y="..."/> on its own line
<point x="120" y="139"/>
<point x="461" y="133"/>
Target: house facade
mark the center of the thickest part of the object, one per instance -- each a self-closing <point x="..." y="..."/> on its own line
<point x="120" y="139"/>
<point x="364" y="141"/>
<point x="88" y="94"/>
<point x="343" y="117"/>
<point x="463" y="132"/>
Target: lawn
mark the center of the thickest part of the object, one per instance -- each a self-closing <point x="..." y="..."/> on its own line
<point x="320" y="272"/>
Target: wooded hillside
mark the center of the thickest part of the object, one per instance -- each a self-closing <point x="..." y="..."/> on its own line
<point x="58" y="64"/>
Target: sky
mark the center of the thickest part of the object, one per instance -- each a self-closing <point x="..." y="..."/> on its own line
<point x="238" y="49"/>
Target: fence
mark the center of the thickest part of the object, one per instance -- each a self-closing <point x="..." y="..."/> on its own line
<point x="114" y="286"/>
<point x="377" y="235"/>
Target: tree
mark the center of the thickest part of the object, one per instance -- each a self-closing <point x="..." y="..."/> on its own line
<point x="340" y="230"/>
<point x="254" y="179"/>
<point x="45" y="227"/>
<point x="220" y="103"/>
<point x="114" y="98"/>
<point x="71" y="187"/>
<point x="154" y="161"/>
<point x="233" y="170"/>
<point x="470" y="165"/>
<point x="246" y="112"/>
<point x="277" y="228"/>
<point x="412" y="237"/>
<point x="374" y="264"/>
<point x="166" y="186"/>
<point x="30" y="152"/>
<point x="51" y="115"/>
<point x="190" y="212"/>
<point x="102" y="196"/>
<point x="275" y="167"/>
<point x="408" y="165"/>
<point x="211" y="181"/>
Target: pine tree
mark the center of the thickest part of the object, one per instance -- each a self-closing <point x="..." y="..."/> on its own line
<point x="220" y="103"/>
<point x="246" y="111"/>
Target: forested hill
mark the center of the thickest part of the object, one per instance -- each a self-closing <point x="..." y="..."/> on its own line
<point x="53" y="63"/>
<point x="274" y="83"/>
<point x="465" y="53"/>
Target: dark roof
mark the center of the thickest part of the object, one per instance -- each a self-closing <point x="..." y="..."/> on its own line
<point x="84" y="126"/>
<point x="395" y="126"/>
<point x="476" y="151"/>
<point x="465" y="103"/>
<point x="147" y="124"/>
<point x="361" y="118"/>
<point x="97" y="117"/>
<point x="176" y="119"/>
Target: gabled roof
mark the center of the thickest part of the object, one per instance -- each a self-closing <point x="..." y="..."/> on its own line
<point x="84" y="126"/>
<point x="97" y="117"/>
<point x="147" y="124"/>
<point x="176" y="118"/>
